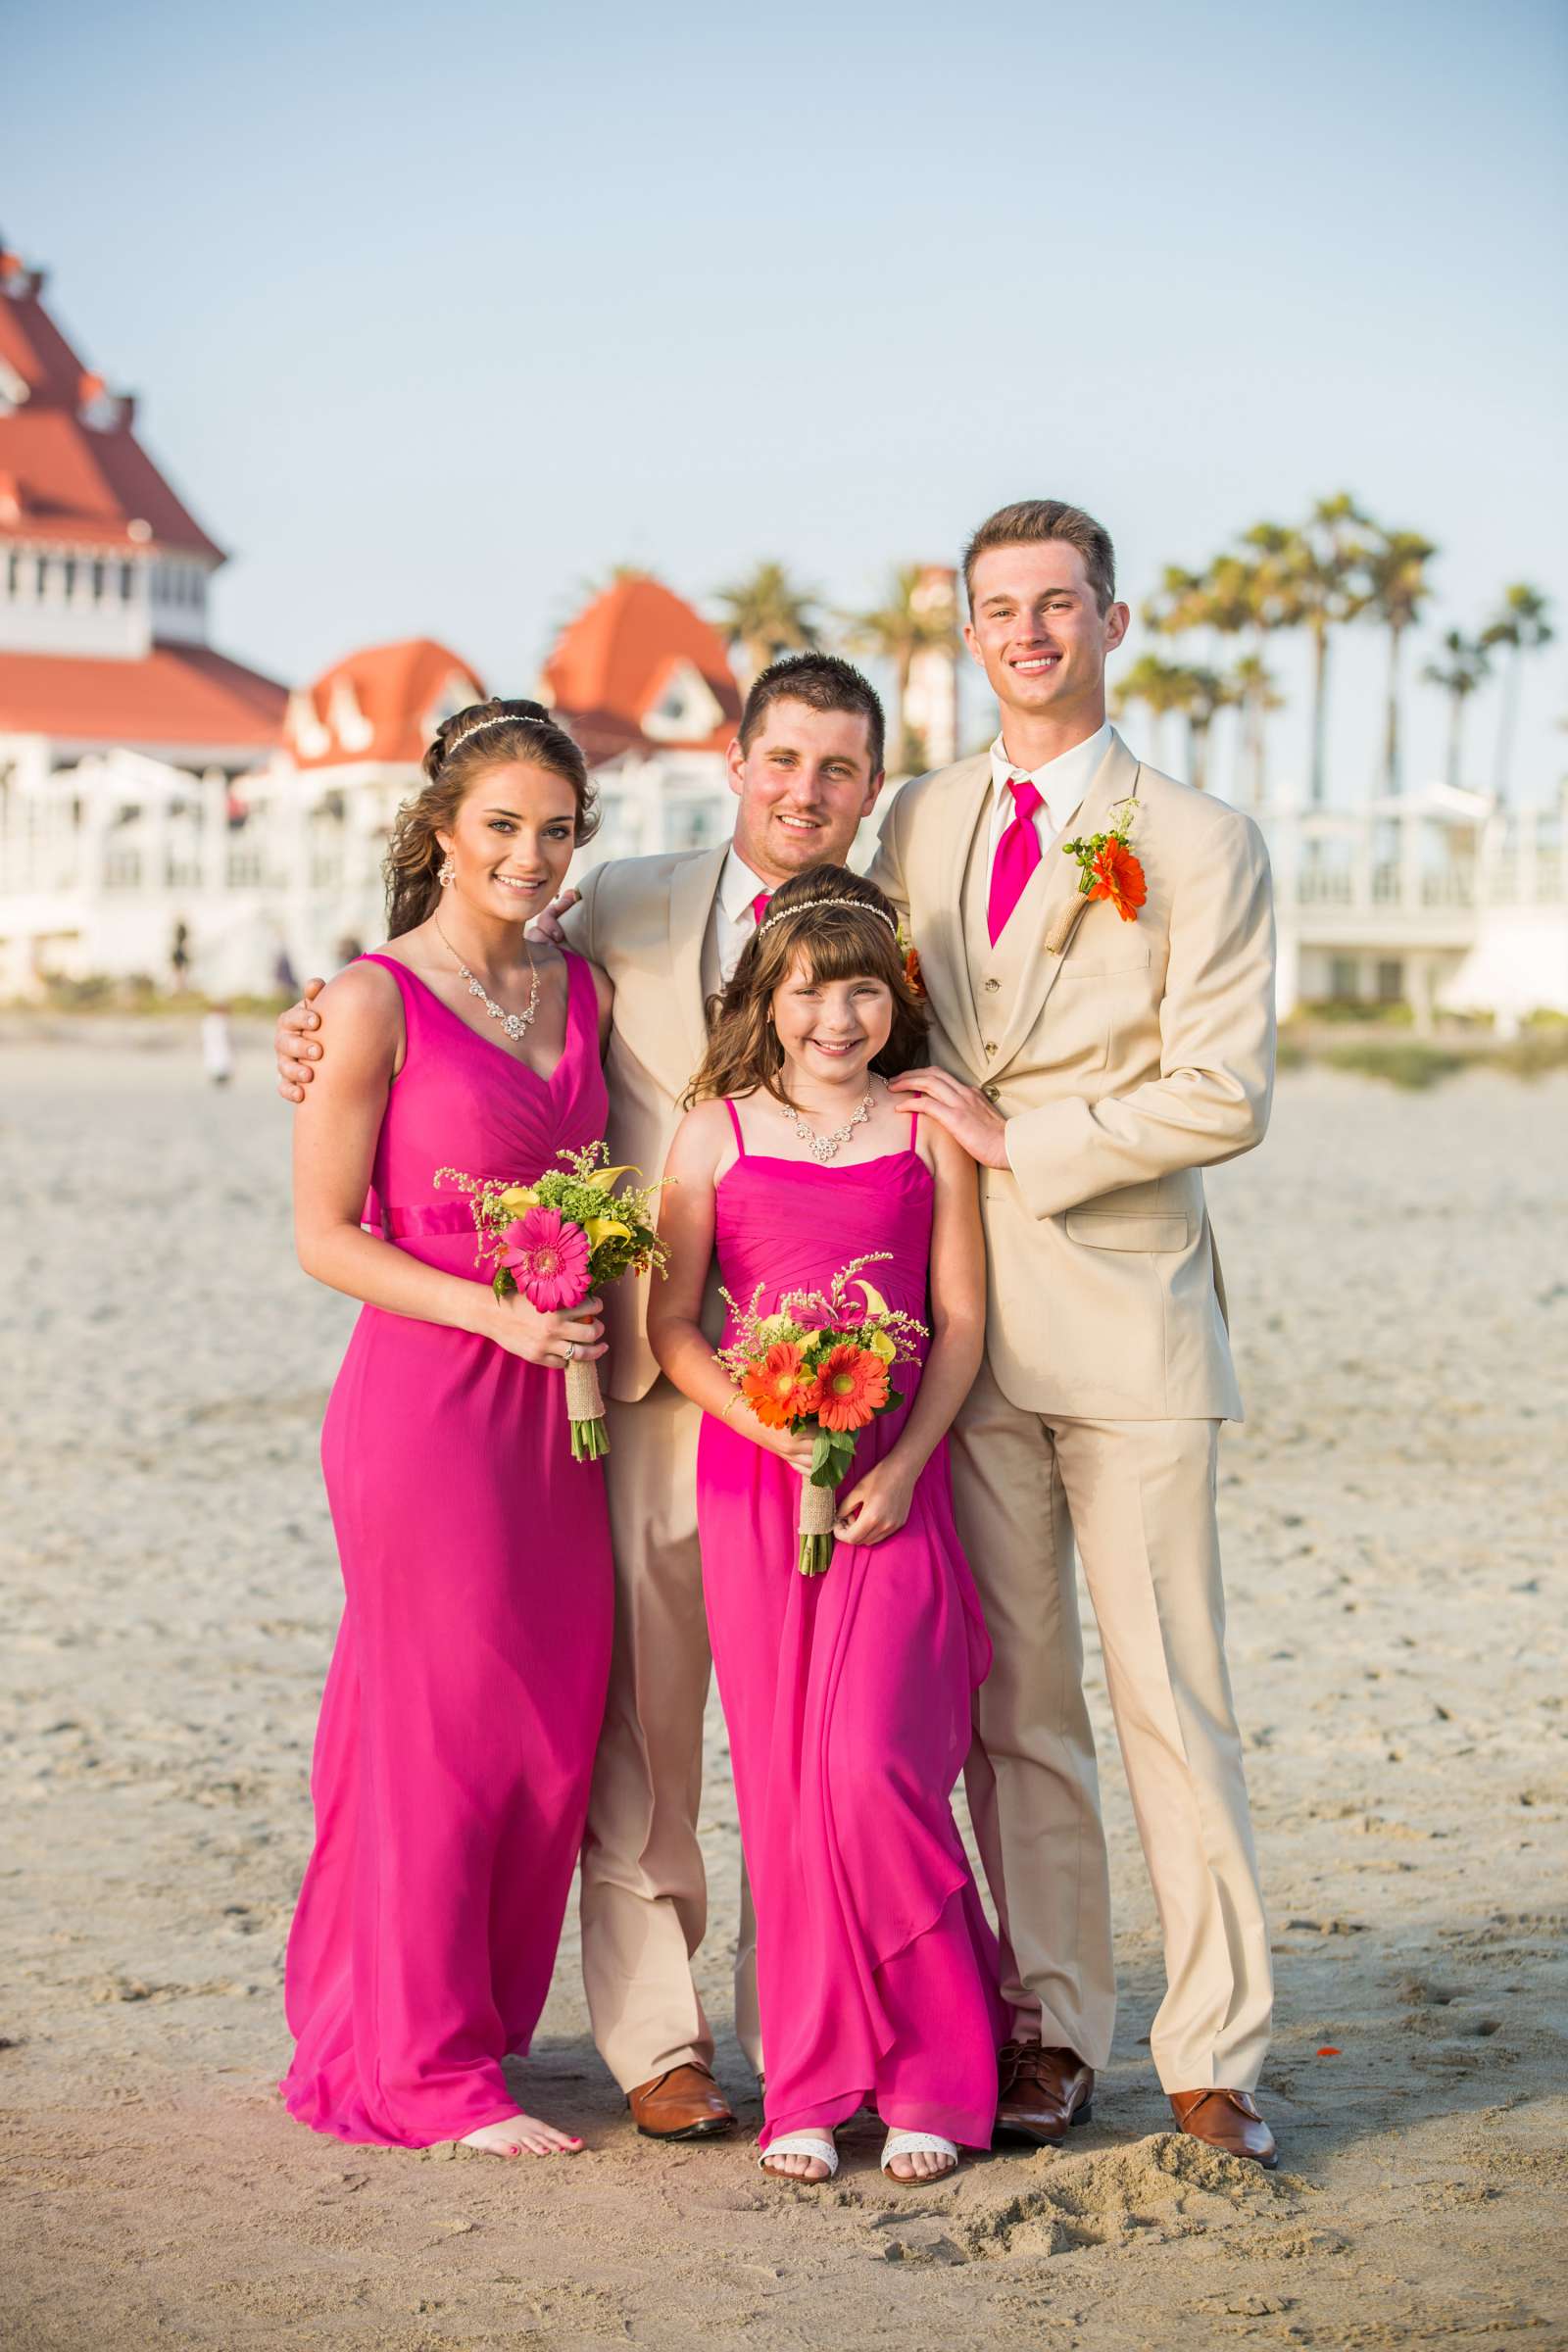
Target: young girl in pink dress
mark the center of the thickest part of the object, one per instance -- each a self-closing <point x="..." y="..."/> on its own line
<point x="848" y="1694"/>
<point x="463" y="1708"/>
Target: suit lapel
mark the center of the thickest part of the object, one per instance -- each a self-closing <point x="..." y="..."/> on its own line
<point x="692" y="890"/>
<point x="1047" y="906"/>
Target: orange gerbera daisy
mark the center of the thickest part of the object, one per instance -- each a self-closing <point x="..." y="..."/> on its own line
<point x="1119" y="877"/>
<point x="778" y="1389"/>
<point x="913" y="972"/>
<point x="852" y="1384"/>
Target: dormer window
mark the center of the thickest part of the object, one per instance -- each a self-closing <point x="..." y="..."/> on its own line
<point x="684" y="709"/>
<point x="457" y="693"/>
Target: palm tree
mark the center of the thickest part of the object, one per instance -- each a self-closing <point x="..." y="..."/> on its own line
<point x="1151" y="681"/>
<point x="1523" y="626"/>
<point x="1202" y="695"/>
<point x="1397" y="589"/>
<point x="1316" y="578"/>
<point x="1162" y="686"/>
<point x="1180" y="603"/>
<point x="765" y="614"/>
<point x="1459" y="676"/>
<point x="1255" y="698"/>
<point x="895" y="632"/>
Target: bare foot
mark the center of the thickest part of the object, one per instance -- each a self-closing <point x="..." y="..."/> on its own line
<point x="800" y="2167"/>
<point x="522" y="2135"/>
<point x="921" y="2166"/>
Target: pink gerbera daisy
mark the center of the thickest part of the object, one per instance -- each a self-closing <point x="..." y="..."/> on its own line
<point x="547" y="1257"/>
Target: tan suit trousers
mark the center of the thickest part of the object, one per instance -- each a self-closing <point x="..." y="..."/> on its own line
<point x="1138" y="1498"/>
<point x="644" y="1892"/>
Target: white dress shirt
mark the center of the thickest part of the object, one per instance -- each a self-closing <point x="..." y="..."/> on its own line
<point x="1060" y="783"/>
<point x="733" y="919"/>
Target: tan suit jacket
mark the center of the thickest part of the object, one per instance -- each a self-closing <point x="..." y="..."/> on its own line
<point x="647" y="922"/>
<point x="1125" y="1064"/>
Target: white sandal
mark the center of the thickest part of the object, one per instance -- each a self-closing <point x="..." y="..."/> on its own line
<point x="800" y="2144"/>
<point x="920" y="2144"/>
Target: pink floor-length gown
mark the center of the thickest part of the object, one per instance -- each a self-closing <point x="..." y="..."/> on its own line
<point x="848" y="1699"/>
<point x="463" y="1702"/>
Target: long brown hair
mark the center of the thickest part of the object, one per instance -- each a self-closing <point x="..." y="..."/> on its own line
<point x="485" y="735"/>
<point x="839" y="941"/>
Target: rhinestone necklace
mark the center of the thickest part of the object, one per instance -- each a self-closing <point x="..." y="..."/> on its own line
<point x="515" y="1024"/>
<point x="824" y="1148"/>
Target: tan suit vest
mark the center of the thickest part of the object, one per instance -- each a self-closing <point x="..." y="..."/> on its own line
<point x="1125" y="1064"/>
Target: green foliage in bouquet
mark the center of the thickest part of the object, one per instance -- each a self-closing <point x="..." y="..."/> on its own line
<point x="616" y="1226"/>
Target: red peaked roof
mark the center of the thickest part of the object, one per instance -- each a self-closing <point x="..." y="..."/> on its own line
<point x="614" y="662"/>
<point x="178" y="694"/>
<point x="66" y="479"/>
<point x="382" y="704"/>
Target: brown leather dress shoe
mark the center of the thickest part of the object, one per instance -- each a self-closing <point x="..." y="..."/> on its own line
<point x="682" y="2103"/>
<point x="1227" y="2120"/>
<point x="1042" y="2093"/>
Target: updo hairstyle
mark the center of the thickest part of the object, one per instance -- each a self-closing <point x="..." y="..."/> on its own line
<point x="485" y="735"/>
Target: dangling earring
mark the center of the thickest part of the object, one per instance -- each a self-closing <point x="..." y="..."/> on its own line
<point x="448" y="874"/>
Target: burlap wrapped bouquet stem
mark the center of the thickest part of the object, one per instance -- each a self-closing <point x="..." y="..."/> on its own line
<point x="819" y="1510"/>
<point x="585" y="1409"/>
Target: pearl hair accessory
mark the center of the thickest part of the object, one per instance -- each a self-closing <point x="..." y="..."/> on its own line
<point x="809" y="905"/>
<point x="500" y="719"/>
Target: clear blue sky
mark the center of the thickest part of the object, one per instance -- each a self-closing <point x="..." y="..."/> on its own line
<point x="436" y="312"/>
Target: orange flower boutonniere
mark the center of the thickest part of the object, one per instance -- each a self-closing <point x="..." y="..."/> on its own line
<point x="1107" y="868"/>
<point x="912" y="962"/>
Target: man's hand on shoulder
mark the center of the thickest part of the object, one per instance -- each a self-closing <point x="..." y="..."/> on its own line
<point x="547" y="925"/>
<point x="968" y="1117"/>
<point x="296" y="1044"/>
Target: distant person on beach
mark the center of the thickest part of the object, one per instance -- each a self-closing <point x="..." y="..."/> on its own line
<point x="463" y="1708"/>
<point x="217" y="1047"/>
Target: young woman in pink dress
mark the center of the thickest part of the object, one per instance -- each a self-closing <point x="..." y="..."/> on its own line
<point x="463" y="1703"/>
<point x="848" y="1695"/>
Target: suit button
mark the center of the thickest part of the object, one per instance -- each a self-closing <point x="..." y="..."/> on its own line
<point x="990" y="1049"/>
<point x="992" y="987"/>
<point x="992" y="1094"/>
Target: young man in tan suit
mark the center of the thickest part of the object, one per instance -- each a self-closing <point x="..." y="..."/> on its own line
<point x="1094" y="1066"/>
<point x="806" y="769"/>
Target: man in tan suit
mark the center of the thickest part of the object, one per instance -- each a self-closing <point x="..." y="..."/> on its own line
<point x="806" y="769"/>
<point x="1094" y="1066"/>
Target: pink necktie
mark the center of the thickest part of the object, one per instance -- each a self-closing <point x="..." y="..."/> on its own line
<point x="760" y="905"/>
<point x="1017" y="856"/>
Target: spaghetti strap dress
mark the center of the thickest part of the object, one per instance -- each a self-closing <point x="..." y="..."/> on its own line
<point x="848" y="1698"/>
<point x="456" y="1735"/>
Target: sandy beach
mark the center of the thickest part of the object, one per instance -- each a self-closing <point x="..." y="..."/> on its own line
<point x="1394" y="1512"/>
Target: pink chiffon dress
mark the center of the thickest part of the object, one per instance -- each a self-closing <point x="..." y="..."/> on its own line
<point x="848" y="1698"/>
<point x="463" y="1702"/>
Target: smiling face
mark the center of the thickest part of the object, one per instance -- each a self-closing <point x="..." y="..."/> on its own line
<point x="512" y="841"/>
<point x="1039" y="634"/>
<point x="831" y="1030"/>
<point x="804" y="784"/>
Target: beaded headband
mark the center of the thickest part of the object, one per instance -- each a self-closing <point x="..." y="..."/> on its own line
<point x="810" y="907"/>
<point x="501" y="719"/>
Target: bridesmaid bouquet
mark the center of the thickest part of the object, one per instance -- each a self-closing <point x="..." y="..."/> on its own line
<point x="821" y="1361"/>
<point x="558" y="1241"/>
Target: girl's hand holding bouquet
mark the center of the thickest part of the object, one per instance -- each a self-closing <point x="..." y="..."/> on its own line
<point x="550" y="1243"/>
<point x="819" y="1367"/>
